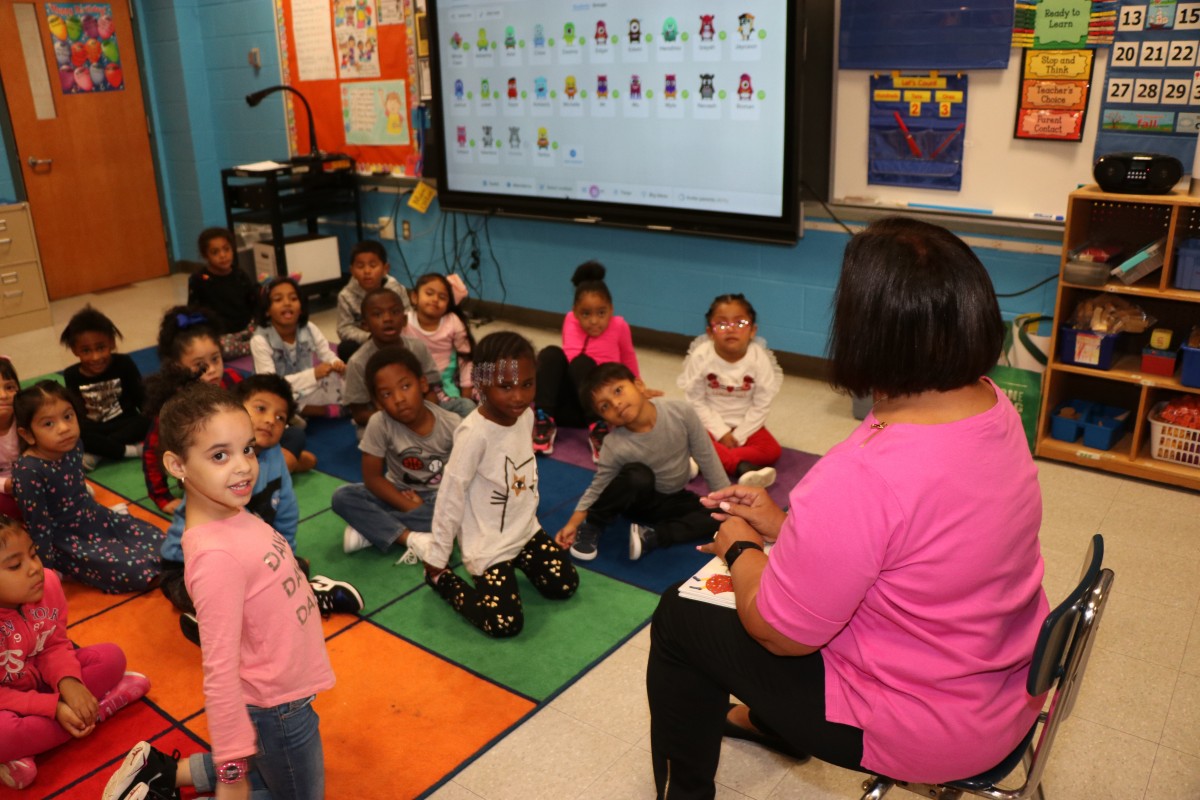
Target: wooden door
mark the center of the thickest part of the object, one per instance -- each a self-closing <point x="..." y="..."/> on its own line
<point x="85" y="156"/>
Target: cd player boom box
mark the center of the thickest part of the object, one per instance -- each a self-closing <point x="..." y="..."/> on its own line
<point x="1137" y="173"/>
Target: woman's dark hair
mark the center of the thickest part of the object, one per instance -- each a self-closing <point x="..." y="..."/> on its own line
<point x="29" y="400"/>
<point x="452" y="306"/>
<point x="264" y="302"/>
<point x="368" y="246"/>
<point x="209" y="235"/>
<point x="914" y="311"/>
<point x="730" y="298"/>
<point x="8" y="372"/>
<point x="387" y="356"/>
<point x="188" y="411"/>
<point x="270" y="383"/>
<point x="601" y="376"/>
<point x="180" y="326"/>
<point x="589" y="278"/>
<point x="88" y="320"/>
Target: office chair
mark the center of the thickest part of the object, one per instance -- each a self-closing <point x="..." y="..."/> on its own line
<point x="1059" y="659"/>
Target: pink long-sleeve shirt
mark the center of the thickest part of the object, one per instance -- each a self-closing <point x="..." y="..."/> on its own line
<point x="260" y="629"/>
<point x="911" y="553"/>
<point x="35" y="653"/>
<point x="615" y="344"/>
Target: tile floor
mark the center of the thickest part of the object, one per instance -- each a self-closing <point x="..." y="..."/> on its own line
<point x="1135" y="732"/>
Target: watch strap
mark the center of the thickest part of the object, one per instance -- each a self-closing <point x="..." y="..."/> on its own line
<point x="736" y="549"/>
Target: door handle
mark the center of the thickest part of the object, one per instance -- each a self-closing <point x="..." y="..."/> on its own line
<point x="40" y="162"/>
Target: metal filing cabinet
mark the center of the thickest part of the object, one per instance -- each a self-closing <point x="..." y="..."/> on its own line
<point x="23" y="304"/>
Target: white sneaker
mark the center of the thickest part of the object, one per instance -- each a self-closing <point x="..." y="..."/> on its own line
<point x="693" y="468"/>
<point x="353" y="541"/>
<point x="761" y="478"/>
<point x="418" y="548"/>
<point x="641" y="540"/>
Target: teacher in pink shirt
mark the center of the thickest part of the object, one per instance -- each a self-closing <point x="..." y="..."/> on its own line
<point x="892" y="626"/>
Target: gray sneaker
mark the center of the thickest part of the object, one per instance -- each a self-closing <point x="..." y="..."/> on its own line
<point x="587" y="542"/>
<point x="641" y="540"/>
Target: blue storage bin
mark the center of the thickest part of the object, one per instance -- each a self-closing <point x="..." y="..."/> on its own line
<point x="1068" y="430"/>
<point x="1189" y="374"/>
<point x="1103" y="426"/>
<point x="1100" y="357"/>
<point x="1187" y="265"/>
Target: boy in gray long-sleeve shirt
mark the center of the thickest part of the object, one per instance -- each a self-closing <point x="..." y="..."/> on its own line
<point x="643" y="468"/>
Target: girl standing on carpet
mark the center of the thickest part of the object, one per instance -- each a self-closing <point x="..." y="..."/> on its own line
<point x="286" y="343"/>
<point x="10" y="443"/>
<point x="488" y="500"/>
<point x="75" y="535"/>
<point x="436" y="320"/>
<point x="262" y="645"/>
<point x="51" y="689"/>
<point x="730" y="378"/>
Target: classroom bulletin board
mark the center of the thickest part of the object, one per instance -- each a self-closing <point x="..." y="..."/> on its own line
<point x="1003" y="176"/>
<point x="355" y="63"/>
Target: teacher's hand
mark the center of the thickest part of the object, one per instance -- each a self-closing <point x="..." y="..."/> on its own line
<point x="749" y="503"/>
<point x="731" y="530"/>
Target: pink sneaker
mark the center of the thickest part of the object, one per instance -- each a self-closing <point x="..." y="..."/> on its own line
<point x="132" y="686"/>
<point x="19" y="773"/>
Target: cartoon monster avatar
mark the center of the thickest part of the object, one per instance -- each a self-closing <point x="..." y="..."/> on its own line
<point x="485" y="88"/>
<point x="569" y="88"/>
<point x="706" y="28"/>
<point x="487" y="136"/>
<point x="539" y="35"/>
<point x="745" y="89"/>
<point x="601" y="36"/>
<point x="482" y="41"/>
<point x="512" y="88"/>
<point x="745" y="25"/>
<point x="543" y="140"/>
<point x="635" y="87"/>
<point x="456" y="41"/>
<point x="510" y="38"/>
<point x="539" y="87"/>
<point x="458" y="89"/>
<point x="706" y="86"/>
<point x="601" y="86"/>
<point x="670" y="88"/>
<point x="569" y="33"/>
<point x="462" y="135"/>
<point x="635" y="30"/>
<point x="514" y="138"/>
<point x="670" y="30"/>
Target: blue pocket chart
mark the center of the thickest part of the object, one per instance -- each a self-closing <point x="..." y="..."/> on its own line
<point x="925" y="34"/>
<point x="917" y="127"/>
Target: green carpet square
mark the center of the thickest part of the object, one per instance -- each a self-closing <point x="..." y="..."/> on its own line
<point x="376" y="575"/>
<point x="560" y="638"/>
<point x="314" y="490"/>
<point x="125" y="477"/>
<point x="147" y="503"/>
<point x="57" y="377"/>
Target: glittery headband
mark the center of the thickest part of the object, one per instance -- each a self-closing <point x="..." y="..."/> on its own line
<point x="488" y="373"/>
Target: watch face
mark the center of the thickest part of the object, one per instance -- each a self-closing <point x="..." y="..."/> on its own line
<point x="232" y="771"/>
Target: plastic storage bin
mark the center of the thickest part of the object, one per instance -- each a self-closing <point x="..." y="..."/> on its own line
<point x="1189" y="375"/>
<point x="1103" y="425"/>
<point x="1085" y="348"/>
<point x="1173" y="442"/>
<point x="1069" y="429"/>
<point x="1187" y="265"/>
<point x="1158" y="362"/>
<point x="1087" y="273"/>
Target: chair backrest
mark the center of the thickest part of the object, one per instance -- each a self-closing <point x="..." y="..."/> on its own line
<point x="1063" y="647"/>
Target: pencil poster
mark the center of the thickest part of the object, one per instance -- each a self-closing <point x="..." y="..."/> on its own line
<point x="85" y="47"/>
<point x="1054" y="94"/>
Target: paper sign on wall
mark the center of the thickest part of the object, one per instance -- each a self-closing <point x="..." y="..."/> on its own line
<point x="374" y="112"/>
<point x="1054" y="94"/>
<point x="85" y="47"/>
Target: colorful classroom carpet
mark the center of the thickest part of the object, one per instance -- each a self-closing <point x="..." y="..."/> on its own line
<point x="408" y="669"/>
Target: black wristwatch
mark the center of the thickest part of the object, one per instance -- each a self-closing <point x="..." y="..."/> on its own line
<point x="736" y="549"/>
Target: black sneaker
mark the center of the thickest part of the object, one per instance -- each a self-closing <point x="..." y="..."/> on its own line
<point x="587" y="542"/>
<point x="642" y="539"/>
<point x="544" y="433"/>
<point x="144" y="765"/>
<point x="596" y="433"/>
<point x="335" y="597"/>
<point x="190" y="628"/>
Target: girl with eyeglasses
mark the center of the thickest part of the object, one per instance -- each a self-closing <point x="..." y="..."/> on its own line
<point x="730" y="378"/>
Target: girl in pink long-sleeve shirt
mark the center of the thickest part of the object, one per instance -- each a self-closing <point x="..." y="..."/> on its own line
<point x="591" y="335"/>
<point x="260" y="624"/>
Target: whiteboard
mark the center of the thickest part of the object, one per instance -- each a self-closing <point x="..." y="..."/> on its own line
<point x="1009" y="178"/>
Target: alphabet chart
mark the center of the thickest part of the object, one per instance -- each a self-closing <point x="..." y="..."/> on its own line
<point x="1152" y="94"/>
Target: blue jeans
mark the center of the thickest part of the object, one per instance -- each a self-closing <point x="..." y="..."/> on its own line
<point x="290" y="763"/>
<point x="380" y="523"/>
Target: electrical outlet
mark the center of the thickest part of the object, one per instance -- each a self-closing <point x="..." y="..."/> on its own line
<point x="406" y="230"/>
<point x="387" y="228"/>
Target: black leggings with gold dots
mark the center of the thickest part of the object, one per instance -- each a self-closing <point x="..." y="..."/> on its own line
<point x="494" y="604"/>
